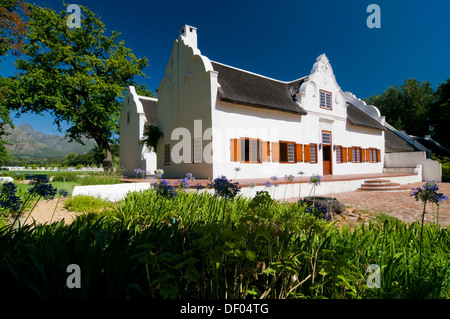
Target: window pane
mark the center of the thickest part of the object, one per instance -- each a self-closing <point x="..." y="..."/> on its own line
<point x="167" y="154"/>
<point x="291" y="152"/>
<point x="283" y="152"/>
<point x="322" y="99"/>
<point x="198" y="150"/>
<point x="326" y="138"/>
<point x="254" y="151"/>
<point x="328" y="100"/>
<point x="245" y="150"/>
<point x="313" y="154"/>
<point x="338" y="154"/>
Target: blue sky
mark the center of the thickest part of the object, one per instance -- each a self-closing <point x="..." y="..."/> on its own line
<point x="281" y="39"/>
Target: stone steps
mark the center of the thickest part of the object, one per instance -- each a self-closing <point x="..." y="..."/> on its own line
<point x="381" y="185"/>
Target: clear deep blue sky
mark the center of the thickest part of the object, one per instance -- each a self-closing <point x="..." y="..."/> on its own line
<point x="281" y="39"/>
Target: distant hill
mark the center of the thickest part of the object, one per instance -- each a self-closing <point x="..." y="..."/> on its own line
<point x="26" y="141"/>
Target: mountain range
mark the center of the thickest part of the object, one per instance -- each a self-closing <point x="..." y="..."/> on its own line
<point x="26" y="141"/>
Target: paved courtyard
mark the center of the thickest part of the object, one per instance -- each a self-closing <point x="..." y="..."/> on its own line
<point x="397" y="204"/>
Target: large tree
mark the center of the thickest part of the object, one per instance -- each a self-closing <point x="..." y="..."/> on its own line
<point x="440" y="114"/>
<point x="12" y="26"/>
<point x="12" y="31"/>
<point x="77" y="74"/>
<point x="406" y="107"/>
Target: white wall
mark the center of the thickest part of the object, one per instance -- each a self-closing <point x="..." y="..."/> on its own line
<point x="185" y="95"/>
<point x="189" y="93"/>
<point x="133" y="154"/>
<point x="236" y="121"/>
<point x="431" y="169"/>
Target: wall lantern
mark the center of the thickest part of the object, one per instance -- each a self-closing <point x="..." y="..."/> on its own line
<point x="334" y="147"/>
<point x="320" y="146"/>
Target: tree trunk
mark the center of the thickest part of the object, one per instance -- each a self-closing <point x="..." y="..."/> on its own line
<point x="107" y="161"/>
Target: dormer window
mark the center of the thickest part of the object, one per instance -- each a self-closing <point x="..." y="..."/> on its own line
<point x="325" y="100"/>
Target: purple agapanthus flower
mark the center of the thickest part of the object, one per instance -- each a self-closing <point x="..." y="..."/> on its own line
<point x="429" y="193"/>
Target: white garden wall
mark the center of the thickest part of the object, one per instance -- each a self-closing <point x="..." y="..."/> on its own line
<point x="431" y="169"/>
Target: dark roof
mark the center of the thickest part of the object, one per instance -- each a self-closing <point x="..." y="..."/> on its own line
<point x="395" y="143"/>
<point x="240" y="87"/>
<point x="434" y="146"/>
<point x="151" y="111"/>
<point x="358" y="117"/>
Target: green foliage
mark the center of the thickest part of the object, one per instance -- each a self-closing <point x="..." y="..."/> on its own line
<point x="151" y="136"/>
<point x="440" y="114"/>
<point x="197" y="245"/>
<point x="406" y="107"/>
<point x="87" y="204"/>
<point x="445" y="167"/>
<point x="100" y="179"/>
<point x="142" y="90"/>
<point x="75" y="74"/>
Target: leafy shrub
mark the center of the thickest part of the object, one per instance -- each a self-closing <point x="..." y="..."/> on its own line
<point x="225" y="188"/>
<point x="197" y="245"/>
<point x="86" y="204"/>
<point x="446" y="173"/>
<point x="100" y="180"/>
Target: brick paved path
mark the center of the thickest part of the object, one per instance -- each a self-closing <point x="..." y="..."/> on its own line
<point x="397" y="204"/>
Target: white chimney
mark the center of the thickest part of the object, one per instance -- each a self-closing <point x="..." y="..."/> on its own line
<point x="189" y="35"/>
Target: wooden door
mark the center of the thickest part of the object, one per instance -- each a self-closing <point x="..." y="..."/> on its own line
<point x="327" y="153"/>
<point x="326" y="160"/>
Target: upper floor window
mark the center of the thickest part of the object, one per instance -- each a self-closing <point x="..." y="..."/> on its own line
<point x="325" y="100"/>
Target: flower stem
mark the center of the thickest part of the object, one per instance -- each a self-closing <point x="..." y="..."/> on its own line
<point x="421" y="238"/>
<point x="21" y="209"/>
<point x="54" y="210"/>
<point x="32" y="210"/>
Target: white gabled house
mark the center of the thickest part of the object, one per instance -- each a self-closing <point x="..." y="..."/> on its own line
<point x="215" y="118"/>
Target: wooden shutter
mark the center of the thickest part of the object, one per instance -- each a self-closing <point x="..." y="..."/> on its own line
<point x="344" y="155"/>
<point x="350" y="154"/>
<point x="265" y="151"/>
<point x="238" y="150"/>
<point x="368" y="155"/>
<point x="275" y="151"/>
<point x="299" y="154"/>
<point x="378" y="155"/>
<point x="363" y="155"/>
<point x="308" y="153"/>
<point x="233" y="150"/>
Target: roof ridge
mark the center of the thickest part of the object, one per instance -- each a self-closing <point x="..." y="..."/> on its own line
<point x="260" y="75"/>
<point x="147" y="98"/>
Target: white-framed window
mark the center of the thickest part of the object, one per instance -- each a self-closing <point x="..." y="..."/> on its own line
<point x="325" y="100"/>
<point x="198" y="150"/>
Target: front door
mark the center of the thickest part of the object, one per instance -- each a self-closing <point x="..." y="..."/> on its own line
<point x="327" y="153"/>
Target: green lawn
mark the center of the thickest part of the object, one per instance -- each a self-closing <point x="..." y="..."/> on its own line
<point x="68" y="186"/>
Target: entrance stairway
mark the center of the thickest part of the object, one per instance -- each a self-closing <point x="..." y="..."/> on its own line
<point x="382" y="185"/>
